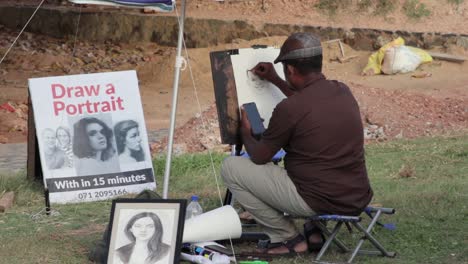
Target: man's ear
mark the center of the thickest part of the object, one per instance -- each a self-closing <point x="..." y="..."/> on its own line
<point x="290" y="70"/>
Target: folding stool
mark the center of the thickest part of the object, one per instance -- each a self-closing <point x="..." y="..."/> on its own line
<point x="319" y="221"/>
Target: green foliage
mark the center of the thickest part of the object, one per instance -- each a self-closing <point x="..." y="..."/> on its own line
<point x="192" y="174"/>
<point x="384" y="7"/>
<point x="364" y="5"/>
<point x="424" y="179"/>
<point x="415" y="10"/>
<point x="379" y="7"/>
<point x="330" y="7"/>
<point x="29" y="191"/>
<point x="456" y="2"/>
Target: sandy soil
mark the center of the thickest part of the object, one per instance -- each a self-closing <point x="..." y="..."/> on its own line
<point x="392" y="106"/>
<point x="445" y="17"/>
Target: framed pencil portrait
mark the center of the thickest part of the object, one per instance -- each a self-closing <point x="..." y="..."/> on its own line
<point x="146" y="231"/>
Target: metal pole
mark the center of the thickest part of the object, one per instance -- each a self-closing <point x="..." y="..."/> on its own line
<point x="178" y="65"/>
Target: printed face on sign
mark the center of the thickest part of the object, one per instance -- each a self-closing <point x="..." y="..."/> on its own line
<point x="97" y="138"/>
<point x="143" y="229"/>
<point x="63" y="137"/>
<point x="133" y="139"/>
<point x="49" y="138"/>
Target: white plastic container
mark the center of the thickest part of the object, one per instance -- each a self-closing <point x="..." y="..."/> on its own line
<point x="193" y="208"/>
<point x="218" y="258"/>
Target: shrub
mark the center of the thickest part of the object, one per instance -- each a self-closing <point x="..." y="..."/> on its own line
<point x="380" y="7"/>
<point x="416" y="10"/>
<point x="384" y="7"/>
<point x="331" y="6"/>
<point x="457" y="2"/>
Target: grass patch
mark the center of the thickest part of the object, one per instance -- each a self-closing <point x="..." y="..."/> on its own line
<point x="384" y="7"/>
<point x="330" y="7"/>
<point x="415" y="10"/>
<point x="456" y="2"/>
<point x="380" y="7"/>
<point x="425" y="180"/>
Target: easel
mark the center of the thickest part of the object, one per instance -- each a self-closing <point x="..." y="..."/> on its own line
<point x="228" y="115"/>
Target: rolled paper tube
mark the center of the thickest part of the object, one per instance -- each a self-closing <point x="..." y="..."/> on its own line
<point x="218" y="224"/>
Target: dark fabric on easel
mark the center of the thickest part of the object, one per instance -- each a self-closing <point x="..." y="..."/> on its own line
<point x="98" y="252"/>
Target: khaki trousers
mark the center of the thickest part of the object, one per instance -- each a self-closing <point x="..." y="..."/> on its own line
<point x="267" y="192"/>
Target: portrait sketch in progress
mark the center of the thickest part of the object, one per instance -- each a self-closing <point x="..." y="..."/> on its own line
<point x="250" y="88"/>
<point x="144" y="236"/>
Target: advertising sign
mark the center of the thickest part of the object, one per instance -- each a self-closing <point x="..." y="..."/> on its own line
<point x="92" y="137"/>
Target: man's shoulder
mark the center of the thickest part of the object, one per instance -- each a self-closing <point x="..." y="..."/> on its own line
<point x="326" y="81"/>
<point x="338" y="83"/>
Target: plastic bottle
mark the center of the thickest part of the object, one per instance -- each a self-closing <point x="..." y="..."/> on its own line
<point x="218" y="258"/>
<point x="194" y="208"/>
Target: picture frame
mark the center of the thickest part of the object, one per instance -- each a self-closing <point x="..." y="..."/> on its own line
<point x="158" y="223"/>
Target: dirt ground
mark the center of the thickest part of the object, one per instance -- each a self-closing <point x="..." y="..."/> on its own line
<point x="398" y="106"/>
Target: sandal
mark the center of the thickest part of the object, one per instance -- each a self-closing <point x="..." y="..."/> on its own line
<point x="309" y="230"/>
<point x="289" y="244"/>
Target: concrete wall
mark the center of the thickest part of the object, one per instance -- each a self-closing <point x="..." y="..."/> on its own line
<point x="100" y="26"/>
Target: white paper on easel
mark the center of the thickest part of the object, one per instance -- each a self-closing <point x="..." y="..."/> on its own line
<point x="250" y="88"/>
<point x="218" y="224"/>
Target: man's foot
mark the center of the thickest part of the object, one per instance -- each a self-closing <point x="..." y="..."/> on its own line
<point x="292" y="246"/>
<point x="314" y="237"/>
<point x="301" y="247"/>
<point x="245" y="216"/>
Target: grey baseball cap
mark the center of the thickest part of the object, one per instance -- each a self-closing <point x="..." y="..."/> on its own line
<point x="300" y="45"/>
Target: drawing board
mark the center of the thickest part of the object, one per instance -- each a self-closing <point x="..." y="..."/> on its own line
<point x="250" y="88"/>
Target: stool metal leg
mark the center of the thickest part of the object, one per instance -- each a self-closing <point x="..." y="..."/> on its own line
<point x="367" y="235"/>
<point x="329" y="240"/>
<point x="337" y="241"/>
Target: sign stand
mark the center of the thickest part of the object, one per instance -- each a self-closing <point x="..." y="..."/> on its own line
<point x="47" y="201"/>
<point x="34" y="168"/>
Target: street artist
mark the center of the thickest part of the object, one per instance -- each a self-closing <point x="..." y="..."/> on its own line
<point x="319" y="126"/>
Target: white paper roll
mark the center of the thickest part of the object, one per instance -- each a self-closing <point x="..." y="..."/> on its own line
<point x="218" y="224"/>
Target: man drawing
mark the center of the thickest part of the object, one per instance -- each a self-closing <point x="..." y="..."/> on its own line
<point x="319" y="126"/>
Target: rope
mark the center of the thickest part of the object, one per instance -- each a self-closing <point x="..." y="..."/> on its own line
<point x="37" y="216"/>
<point x="21" y="32"/>
<point x="204" y="124"/>
<point x="76" y="35"/>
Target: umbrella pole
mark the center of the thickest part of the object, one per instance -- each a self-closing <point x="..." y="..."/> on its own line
<point x="178" y="66"/>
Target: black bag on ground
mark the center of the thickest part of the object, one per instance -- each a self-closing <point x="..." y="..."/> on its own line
<point x="98" y="252"/>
